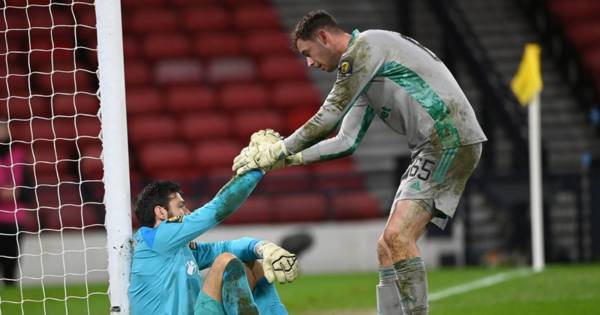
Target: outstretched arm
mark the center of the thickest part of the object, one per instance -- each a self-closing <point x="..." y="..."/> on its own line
<point x="354" y="127"/>
<point x="170" y="235"/>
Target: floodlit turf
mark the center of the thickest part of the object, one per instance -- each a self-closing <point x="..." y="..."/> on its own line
<point x="565" y="289"/>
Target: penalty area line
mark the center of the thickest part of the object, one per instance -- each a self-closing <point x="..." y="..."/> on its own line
<point x="478" y="284"/>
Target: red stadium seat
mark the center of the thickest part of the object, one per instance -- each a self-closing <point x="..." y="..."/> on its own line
<point x="246" y="124"/>
<point x="231" y="69"/>
<point x="91" y="164"/>
<point x="238" y="97"/>
<point x="137" y="73"/>
<point x="205" y="126"/>
<point x="216" y="154"/>
<point x="178" y="72"/>
<point x="28" y="130"/>
<point x="263" y="43"/>
<point x="256" y="17"/>
<point x="287" y="180"/>
<point x="300" y="208"/>
<point x="298" y="117"/>
<point x="152" y="20"/>
<point x="131" y="48"/>
<point x="81" y="126"/>
<point x="80" y="103"/>
<point x="155" y="157"/>
<point x="206" y="19"/>
<point x="339" y="174"/>
<point x="15" y="82"/>
<point x="74" y="217"/>
<point x="17" y="107"/>
<point x="166" y="46"/>
<point x="356" y="206"/>
<point x="143" y="100"/>
<point x="282" y="68"/>
<point x="152" y="128"/>
<point x="218" y="45"/>
<point x="257" y="209"/>
<point x="190" y="99"/>
<point x="296" y="94"/>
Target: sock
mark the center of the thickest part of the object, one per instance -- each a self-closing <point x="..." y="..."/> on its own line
<point x="236" y="294"/>
<point x="388" y="296"/>
<point x="412" y="282"/>
<point x="267" y="299"/>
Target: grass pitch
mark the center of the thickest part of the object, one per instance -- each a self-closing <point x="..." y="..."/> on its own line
<point x="560" y="289"/>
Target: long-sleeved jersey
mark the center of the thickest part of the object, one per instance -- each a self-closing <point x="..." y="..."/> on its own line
<point x="386" y="74"/>
<point x="165" y="276"/>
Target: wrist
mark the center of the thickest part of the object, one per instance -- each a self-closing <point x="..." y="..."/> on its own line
<point x="259" y="248"/>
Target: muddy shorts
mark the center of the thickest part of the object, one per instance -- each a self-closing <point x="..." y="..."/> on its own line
<point x="436" y="180"/>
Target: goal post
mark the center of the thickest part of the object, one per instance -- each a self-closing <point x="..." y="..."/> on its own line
<point x="65" y="200"/>
<point x="115" y="157"/>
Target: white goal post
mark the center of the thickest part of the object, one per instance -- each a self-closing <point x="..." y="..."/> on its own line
<point x="65" y="199"/>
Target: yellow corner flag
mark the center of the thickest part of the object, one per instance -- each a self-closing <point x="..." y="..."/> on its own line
<point x="528" y="80"/>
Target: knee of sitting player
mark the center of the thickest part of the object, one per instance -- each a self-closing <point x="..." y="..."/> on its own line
<point x="383" y="252"/>
<point x="221" y="261"/>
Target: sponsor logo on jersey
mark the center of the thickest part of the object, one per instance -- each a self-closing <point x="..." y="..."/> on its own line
<point x="191" y="267"/>
<point x="345" y="67"/>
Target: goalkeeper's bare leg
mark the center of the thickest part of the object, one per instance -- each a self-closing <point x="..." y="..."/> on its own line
<point x="229" y="282"/>
<point x="398" y="246"/>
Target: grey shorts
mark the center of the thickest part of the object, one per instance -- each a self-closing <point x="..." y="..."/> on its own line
<point x="436" y="180"/>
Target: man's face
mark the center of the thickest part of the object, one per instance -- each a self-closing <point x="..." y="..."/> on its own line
<point x="318" y="52"/>
<point x="177" y="206"/>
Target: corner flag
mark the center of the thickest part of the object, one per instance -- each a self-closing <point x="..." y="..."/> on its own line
<point x="528" y="80"/>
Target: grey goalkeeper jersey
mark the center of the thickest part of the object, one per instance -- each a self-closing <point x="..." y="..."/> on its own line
<point x="386" y="74"/>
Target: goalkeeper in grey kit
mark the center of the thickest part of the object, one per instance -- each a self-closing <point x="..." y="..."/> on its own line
<point x="385" y="74"/>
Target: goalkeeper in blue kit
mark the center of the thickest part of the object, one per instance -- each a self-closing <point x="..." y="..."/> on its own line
<point x="166" y="266"/>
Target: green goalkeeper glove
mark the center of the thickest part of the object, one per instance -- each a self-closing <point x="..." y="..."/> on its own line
<point x="277" y="262"/>
<point x="266" y="151"/>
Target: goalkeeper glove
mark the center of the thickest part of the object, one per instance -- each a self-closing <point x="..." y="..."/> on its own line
<point x="277" y="262"/>
<point x="258" y="154"/>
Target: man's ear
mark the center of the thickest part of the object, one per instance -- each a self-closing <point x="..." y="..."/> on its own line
<point x="158" y="213"/>
<point x="322" y="37"/>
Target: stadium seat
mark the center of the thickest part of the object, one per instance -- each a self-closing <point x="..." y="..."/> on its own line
<point x="71" y="217"/>
<point x="212" y="155"/>
<point x="262" y="43"/>
<point x="231" y="69"/>
<point x="79" y="103"/>
<point x="159" y="46"/>
<point x="152" y="20"/>
<point x="91" y="164"/>
<point x="28" y="130"/>
<point x="337" y="175"/>
<point x="300" y="208"/>
<point x="82" y="126"/>
<point x="218" y="45"/>
<point x="178" y="72"/>
<point x="137" y="73"/>
<point x="131" y="48"/>
<point x="190" y="99"/>
<point x="282" y="68"/>
<point x="245" y="124"/>
<point x="256" y="18"/>
<point x="205" y="19"/>
<point x="356" y="206"/>
<point x="143" y="100"/>
<point x="205" y="126"/>
<point x="297" y="117"/>
<point x="24" y="108"/>
<point x="240" y="97"/>
<point x="287" y="180"/>
<point x="296" y="94"/>
<point x="157" y="156"/>
<point x="152" y="128"/>
<point x="257" y="209"/>
<point x="15" y="81"/>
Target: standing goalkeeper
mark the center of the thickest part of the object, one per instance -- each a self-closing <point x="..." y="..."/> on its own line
<point x="385" y="74"/>
<point x="165" y="272"/>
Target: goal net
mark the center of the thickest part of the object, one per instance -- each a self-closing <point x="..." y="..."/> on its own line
<point x="65" y="222"/>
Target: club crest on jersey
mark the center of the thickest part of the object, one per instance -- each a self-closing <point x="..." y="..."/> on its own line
<point x="345" y="67"/>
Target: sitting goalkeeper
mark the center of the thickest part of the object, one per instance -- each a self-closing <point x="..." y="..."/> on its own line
<point x="165" y="272"/>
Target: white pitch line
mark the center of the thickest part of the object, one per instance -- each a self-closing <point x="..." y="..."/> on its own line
<point x="477" y="284"/>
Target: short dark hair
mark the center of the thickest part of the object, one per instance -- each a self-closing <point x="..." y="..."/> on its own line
<point x="154" y="194"/>
<point x="310" y="23"/>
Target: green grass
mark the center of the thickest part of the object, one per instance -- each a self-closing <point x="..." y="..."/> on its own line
<point x="565" y="289"/>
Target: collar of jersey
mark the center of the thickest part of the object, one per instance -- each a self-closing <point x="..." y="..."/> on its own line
<point x="355" y="34"/>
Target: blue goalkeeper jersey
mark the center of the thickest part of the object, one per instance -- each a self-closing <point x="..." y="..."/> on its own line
<point x="165" y="272"/>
